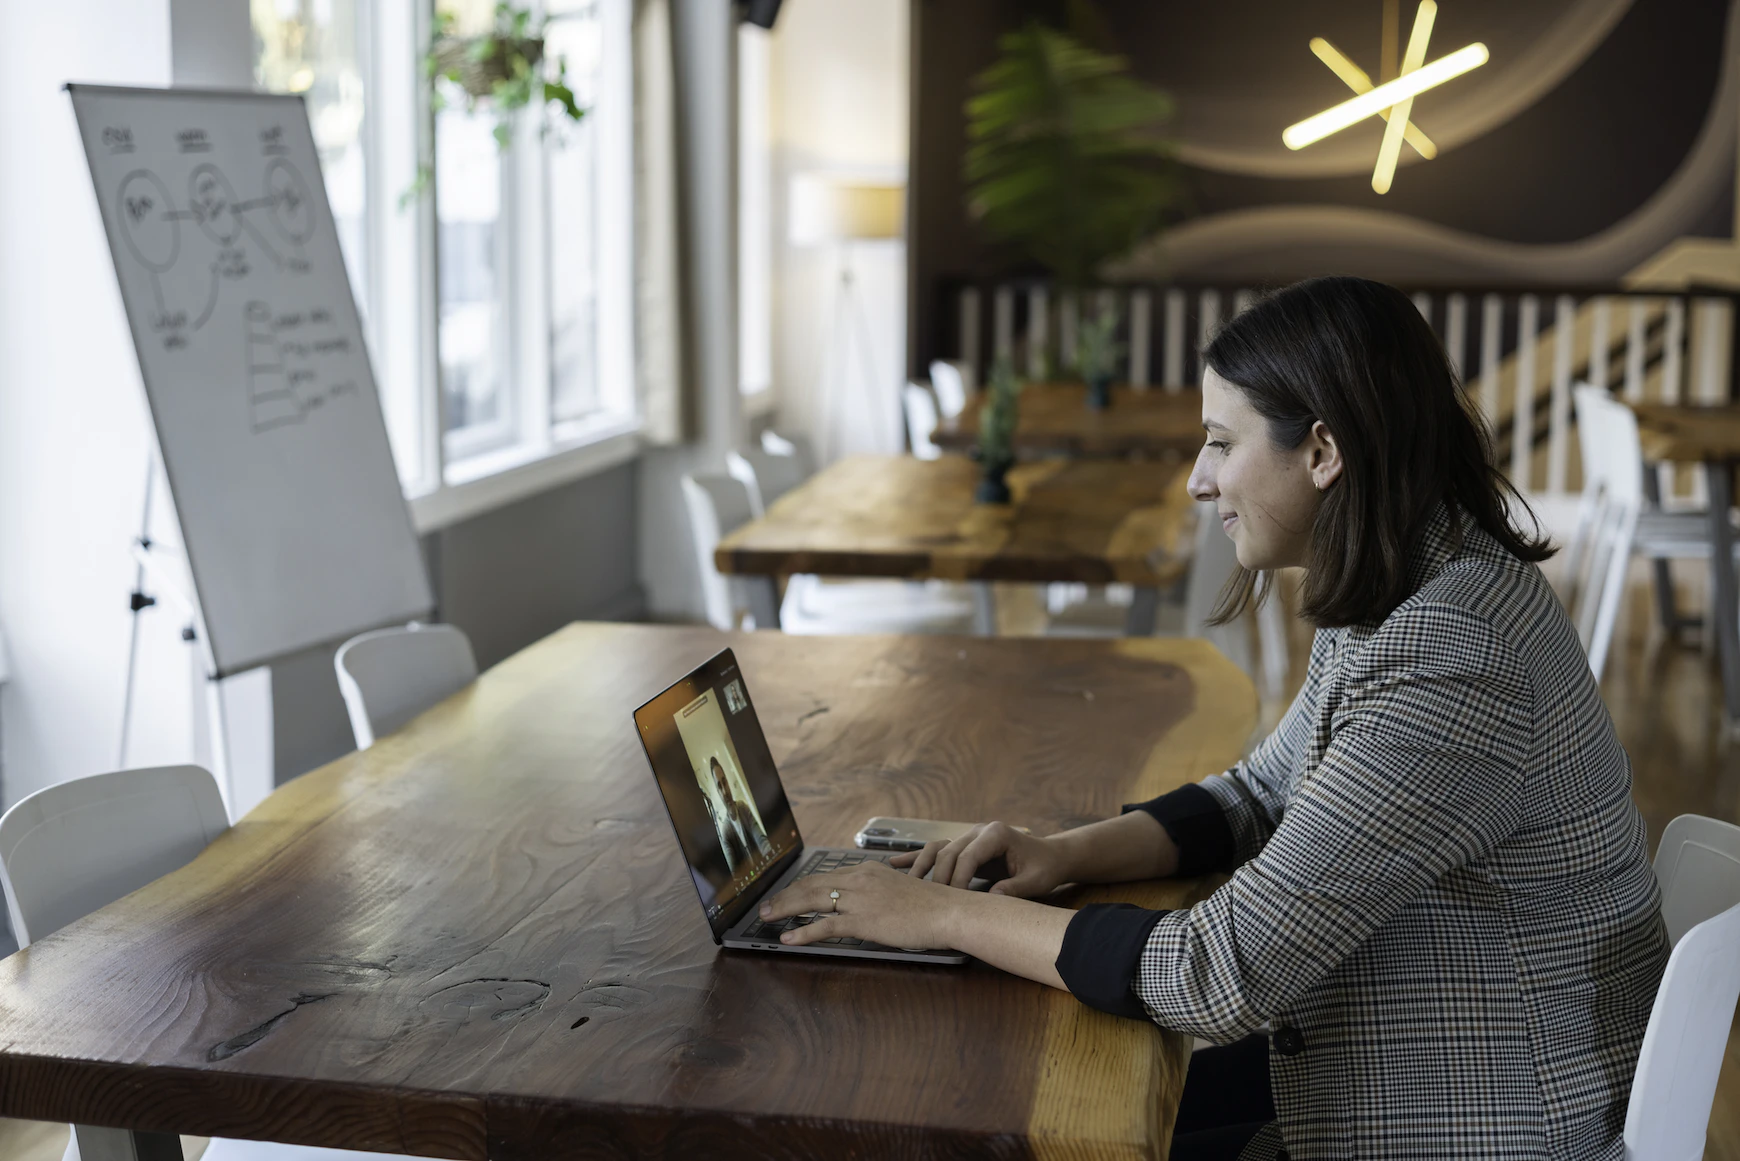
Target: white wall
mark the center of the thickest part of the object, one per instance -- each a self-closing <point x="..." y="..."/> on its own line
<point x="74" y="441"/>
<point x="839" y="105"/>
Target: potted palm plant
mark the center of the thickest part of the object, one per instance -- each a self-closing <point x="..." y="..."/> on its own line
<point x="1067" y="162"/>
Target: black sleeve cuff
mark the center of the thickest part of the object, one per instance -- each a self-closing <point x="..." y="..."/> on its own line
<point x="1102" y="950"/>
<point x="1197" y="827"/>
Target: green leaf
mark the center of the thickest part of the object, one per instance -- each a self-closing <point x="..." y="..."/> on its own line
<point x="559" y="94"/>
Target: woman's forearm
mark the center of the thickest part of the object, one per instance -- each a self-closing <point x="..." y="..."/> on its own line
<point x="1117" y="850"/>
<point x="1017" y="935"/>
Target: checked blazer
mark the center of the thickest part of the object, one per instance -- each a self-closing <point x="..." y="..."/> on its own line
<point x="1441" y="899"/>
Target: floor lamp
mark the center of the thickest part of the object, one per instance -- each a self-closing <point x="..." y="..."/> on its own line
<point x="845" y="213"/>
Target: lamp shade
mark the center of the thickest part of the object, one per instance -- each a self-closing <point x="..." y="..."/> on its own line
<point x="834" y="209"/>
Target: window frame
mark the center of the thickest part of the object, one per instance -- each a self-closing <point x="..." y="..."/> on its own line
<point x="448" y="477"/>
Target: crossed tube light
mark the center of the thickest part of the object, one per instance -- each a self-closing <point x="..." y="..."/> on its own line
<point x="1368" y="104"/>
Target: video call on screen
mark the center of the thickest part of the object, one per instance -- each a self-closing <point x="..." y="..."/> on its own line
<point x="718" y="780"/>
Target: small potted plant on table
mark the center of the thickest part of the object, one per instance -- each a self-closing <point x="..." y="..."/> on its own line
<point x="996" y="447"/>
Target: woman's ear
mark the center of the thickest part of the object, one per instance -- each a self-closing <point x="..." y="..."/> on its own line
<point x="1326" y="462"/>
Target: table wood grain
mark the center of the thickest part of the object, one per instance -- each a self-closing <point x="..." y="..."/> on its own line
<point x="1055" y="419"/>
<point x="1090" y="521"/>
<point x="1687" y="432"/>
<point x="478" y="938"/>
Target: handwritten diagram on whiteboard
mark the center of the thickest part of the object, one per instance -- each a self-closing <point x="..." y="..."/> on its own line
<point x="252" y="354"/>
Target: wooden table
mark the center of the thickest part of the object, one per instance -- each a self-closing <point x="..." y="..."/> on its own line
<point x="1087" y="521"/>
<point x="478" y="938"/>
<point x="1709" y="436"/>
<point x="1055" y="419"/>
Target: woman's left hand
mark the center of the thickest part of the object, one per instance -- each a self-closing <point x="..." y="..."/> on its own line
<point x="876" y="903"/>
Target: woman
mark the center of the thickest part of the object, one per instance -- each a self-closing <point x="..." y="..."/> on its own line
<point x="1441" y="903"/>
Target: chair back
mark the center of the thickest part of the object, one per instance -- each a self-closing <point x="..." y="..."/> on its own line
<point x="921" y="420"/>
<point x="950" y="386"/>
<point x="76" y="846"/>
<point x="767" y="475"/>
<point x="389" y="676"/>
<point x="718" y="506"/>
<point x="796" y="446"/>
<point x="1675" y="1084"/>
<point x="1697" y="864"/>
<point x="1596" y="571"/>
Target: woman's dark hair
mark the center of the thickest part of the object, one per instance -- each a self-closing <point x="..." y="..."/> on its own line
<point x="1357" y="355"/>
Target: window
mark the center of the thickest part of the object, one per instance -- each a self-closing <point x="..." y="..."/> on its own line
<point x="314" y="49"/>
<point x="496" y="287"/>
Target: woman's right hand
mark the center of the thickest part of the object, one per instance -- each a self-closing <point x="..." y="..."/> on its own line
<point x="1034" y="866"/>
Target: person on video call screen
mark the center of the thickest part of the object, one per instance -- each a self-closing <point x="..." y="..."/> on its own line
<point x="740" y="831"/>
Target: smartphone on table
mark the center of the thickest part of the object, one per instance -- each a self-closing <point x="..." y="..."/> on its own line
<point x="910" y="834"/>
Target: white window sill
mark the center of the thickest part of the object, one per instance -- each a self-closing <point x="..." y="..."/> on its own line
<point x="484" y="482"/>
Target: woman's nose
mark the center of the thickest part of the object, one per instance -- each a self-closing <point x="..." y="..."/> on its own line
<point x="1201" y="483"/>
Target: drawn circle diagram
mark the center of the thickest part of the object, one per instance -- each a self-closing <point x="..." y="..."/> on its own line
<point x="292" y="209"/>
<point x="153" y="237"/>
<point x="213" y="204"/>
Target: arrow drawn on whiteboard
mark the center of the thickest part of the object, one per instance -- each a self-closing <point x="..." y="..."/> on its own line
<point x="211" y="300"/>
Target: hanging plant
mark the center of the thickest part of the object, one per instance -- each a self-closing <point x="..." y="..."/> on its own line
<point x="503" y="70"/>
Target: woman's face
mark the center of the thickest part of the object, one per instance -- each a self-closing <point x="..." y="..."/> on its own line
<point x="1267" y="496"/>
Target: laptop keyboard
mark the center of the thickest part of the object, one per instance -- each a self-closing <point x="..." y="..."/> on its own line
<point x="819" y="863"/>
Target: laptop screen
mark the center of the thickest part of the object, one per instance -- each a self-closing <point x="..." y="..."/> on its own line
<point x="719" y="784"/>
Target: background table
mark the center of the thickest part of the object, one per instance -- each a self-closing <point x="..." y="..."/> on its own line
<point x="1709" y="436"/>
<point x="479" y="938"/>
<point x="1087" y="521"/>
<point x="1055" y="418"/>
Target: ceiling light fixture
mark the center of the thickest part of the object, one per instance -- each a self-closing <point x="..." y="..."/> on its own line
<point x="1392" y="100"/>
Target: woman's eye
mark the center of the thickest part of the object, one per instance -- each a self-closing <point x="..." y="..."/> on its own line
<point x="1218" y="445"/>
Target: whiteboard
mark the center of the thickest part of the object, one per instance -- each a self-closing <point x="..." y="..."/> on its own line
<point x="251" y="350"/>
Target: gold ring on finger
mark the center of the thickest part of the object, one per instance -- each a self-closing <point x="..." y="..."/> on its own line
<point x="835" y="896"/>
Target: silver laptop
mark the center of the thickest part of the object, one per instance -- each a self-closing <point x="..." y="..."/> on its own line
<point x="732" y="818"/>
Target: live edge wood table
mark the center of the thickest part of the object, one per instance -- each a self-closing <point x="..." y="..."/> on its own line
<point x="478" y="938"/>
<point x="1151" y="422"/>
<point x="1709" y="436"/>
<point x="1087" y="521"/>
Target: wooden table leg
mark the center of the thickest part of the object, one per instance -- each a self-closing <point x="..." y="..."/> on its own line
<point x="763" y="594"/>
<point x="102" y="1144"/>
<point x="1719" y="474"/>
<point x="984" y="609"/>
<point x="1144" y="610"/>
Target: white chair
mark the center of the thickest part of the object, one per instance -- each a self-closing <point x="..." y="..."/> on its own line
<point x="389" y="676"/>
<point x="767" y="475"/>
<point x="796" y="446"/>
<point x="921" y="420"/>
<point x="718" y="505"/>
<point x="948" y="380"/>
<point x="74" y="847"/>
<point x="1661" y="535"/>
<point x="1596" y="562"/>
<point x="1698" y="866"/>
